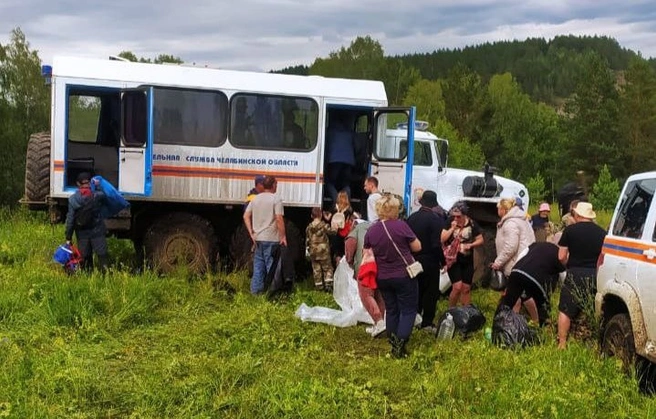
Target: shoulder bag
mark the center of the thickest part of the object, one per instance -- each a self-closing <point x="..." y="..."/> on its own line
<point x="413" y="269"/>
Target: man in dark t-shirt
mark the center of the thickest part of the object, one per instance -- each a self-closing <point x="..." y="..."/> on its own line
<point x="535" y="274"/>
<point x="428" y="226"/>
<point x="580" y="246"/>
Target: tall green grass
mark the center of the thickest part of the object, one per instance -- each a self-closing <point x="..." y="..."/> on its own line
<point x="144" y="346"/>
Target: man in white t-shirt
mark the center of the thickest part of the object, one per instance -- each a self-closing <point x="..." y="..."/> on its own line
<point x="371" y="188"/>
<point x="265" y="224"/>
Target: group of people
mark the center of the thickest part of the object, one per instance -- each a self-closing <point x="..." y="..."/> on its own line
<point x="530" y="254"/>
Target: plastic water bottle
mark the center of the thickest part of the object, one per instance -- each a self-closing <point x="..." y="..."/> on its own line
<point x="447" y="327"/>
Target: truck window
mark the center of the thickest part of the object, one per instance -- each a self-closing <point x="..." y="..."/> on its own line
<point x="190" y="117"/>
<point x="93" y="115"/>
<point x="423" y="155"/>
<point x="633" y="210"/>
<point x="83" y="117"/>
<point x="273" y="122"/>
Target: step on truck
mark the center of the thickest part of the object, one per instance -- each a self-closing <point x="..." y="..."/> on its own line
<point x="183" y="145"/>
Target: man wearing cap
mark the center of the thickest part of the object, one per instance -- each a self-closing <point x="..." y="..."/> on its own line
<point x="542" y="226"/>
<point x="428" y="226"/>
<point x="91" y="232"/>
<point x="259" y="182"/>
<point x="579" y="249"/>
<point x="265" y="224"/>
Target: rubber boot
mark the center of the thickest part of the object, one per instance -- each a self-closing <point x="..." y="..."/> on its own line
<point x="398" y="347"/>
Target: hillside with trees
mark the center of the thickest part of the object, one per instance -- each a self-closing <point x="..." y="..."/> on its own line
<point x="538" y="110"/>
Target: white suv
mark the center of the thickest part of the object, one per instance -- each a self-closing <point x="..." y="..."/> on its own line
<point x="625" y="302"/>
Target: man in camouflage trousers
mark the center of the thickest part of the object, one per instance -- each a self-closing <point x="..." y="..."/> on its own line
<point x="318" y="248"/>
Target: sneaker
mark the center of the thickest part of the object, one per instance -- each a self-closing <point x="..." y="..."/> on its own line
<point x="318" y="286"/>
<point x="378" y="329"/>
<point x="418" y="320"/>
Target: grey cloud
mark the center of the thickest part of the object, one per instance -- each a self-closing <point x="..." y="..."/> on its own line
<point x="265" y="34"/>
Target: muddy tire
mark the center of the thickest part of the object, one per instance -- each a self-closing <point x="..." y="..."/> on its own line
<point x="241" y="247"/>
<point x="484" y="256"/>
<point x="37" y="167"/>
<point x="617" y="340"/>
<point x="181" y="241"/>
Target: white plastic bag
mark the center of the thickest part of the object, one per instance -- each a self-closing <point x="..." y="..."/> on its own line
<point x="445" y="281"/>
<point x="345" y="292"/>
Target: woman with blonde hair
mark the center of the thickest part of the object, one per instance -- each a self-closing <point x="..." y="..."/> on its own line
<point x="514" y="235"/>
<point x="393" y="243"/>
<point x="466" y="234"/>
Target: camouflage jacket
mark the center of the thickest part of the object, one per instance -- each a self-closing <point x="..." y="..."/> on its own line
<point x="316" y="240"/>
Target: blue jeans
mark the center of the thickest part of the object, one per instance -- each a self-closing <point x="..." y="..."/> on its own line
<point x="262" y="262"/>
<point x="400" y="295"/>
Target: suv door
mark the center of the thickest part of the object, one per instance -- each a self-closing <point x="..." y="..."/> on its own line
<point x="629" y="254"/>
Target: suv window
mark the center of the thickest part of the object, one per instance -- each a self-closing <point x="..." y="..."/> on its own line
<point x="633" y="209"/>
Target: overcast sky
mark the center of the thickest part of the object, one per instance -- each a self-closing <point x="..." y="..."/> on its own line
<point x="272" y="34"/>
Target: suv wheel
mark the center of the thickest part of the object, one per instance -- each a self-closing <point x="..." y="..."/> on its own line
<point x="617" y="340"/>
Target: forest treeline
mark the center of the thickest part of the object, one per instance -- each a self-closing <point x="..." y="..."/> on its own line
<point x="538" y="110"/>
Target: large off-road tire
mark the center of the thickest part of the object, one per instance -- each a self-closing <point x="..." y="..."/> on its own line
<point x="37" y="167"/>
<point x="484" y="256"/>
<point x="617" y="340"/>
<point x="241" y="247"/>
<point x="181" y="240"/>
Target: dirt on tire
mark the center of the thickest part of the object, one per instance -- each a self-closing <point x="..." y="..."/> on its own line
<point x="37" y="167"/>
<point x="181" y="241"/>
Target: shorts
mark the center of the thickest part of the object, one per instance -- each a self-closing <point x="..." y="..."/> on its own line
<point x="578" y="291"/>
<point x="462" y="272"/>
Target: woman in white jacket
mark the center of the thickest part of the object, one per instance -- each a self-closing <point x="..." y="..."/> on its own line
<point x="514" y="235"/>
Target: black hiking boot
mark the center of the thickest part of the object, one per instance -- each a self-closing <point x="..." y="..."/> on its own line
<point x="398" y="347"/>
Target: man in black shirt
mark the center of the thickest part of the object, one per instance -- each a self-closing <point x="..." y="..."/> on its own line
<point x="580" y="246"/>
<point x="428" y="226"/>
<point x="535" y="274"/>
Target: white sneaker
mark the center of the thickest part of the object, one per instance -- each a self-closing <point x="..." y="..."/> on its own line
<point x="418" y="320"/>
<point x="378" y="328"/>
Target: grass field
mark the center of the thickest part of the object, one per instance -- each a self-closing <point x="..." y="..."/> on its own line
<point x="144" y="346"/>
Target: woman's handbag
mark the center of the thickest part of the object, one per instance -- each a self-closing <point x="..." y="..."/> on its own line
<point x="413" y="269"/>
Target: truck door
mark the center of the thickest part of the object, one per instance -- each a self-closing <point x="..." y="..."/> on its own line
<point x="136" y="148"/>
<point x="391" y="163"/>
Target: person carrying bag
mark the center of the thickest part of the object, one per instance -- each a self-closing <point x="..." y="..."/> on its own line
<point x="400" y="294"/>
<point x="413" y="269"/>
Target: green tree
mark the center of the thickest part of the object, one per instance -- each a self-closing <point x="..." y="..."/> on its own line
<point x="638" y="116"/>
<point x="605" y="191"/>
<point x="464" y="99"/>
<point x="593" y="123"/>
<point x="520" y="134"/>
<point x="536" y="188"/>
<point x="24" y="109"/>
<point x="426" y="95"/>
<point x="161" y="58"/>
<point x="365" y="59"/>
